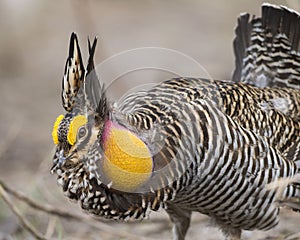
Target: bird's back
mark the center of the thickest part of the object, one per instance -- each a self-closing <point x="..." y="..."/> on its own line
<point x="223" y="146"/>
<point x="235" y="146"/>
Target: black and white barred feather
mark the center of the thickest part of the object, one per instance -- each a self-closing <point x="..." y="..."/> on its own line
<point x="267" y="48"/>
<point x="230" y="150"/>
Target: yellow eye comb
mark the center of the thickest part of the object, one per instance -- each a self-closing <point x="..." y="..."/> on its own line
<point x="76" y="123"/>
<point x="55" y="129"/>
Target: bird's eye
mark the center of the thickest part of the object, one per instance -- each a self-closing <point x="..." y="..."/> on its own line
<point x="82" y="131"/>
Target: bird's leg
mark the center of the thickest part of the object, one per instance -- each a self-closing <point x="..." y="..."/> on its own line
<point x="232" y="233"/>
<point x="181" y="219"/>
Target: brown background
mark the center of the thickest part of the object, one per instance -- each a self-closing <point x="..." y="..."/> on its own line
<point x="33" y="48"/>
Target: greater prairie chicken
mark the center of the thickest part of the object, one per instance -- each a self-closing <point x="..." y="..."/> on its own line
<point x="228" y="149"/>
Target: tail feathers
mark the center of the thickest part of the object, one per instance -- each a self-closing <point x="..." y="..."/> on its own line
<point x="267" y="49"/>
<point x="282" y="20"/>
<point x="241" y="43"/>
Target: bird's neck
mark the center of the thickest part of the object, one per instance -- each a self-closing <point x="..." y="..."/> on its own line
<point x="128" y="161"/>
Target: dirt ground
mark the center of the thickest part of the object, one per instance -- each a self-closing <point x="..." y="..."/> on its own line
<point x="33" y="49"/>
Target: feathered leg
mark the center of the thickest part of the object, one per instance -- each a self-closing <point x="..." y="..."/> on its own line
<point x="181" y="219"/>
<point x="231" y="233"/>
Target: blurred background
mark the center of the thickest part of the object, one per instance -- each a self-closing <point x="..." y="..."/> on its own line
<point x="34" y="43"/>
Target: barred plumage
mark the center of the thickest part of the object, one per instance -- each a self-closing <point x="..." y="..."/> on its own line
<point x="267" y="48"/>
<point x="226" y="149"/>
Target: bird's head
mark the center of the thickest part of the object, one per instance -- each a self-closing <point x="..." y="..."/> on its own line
<point x="87" y="135"/>
<point x="84" y="100"/>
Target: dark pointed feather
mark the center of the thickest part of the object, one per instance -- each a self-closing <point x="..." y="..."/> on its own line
<point x="90" y="66"/>
<point x="94" y="90"/>
<point x="241" y="43"/>
<point x="282" y="20"/>
<point x="73" y="75"/>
